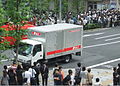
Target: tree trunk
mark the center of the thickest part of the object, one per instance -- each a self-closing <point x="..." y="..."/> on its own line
<point x="16" y="57"/>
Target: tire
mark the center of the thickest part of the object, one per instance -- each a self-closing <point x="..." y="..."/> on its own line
<point x="67" y="58"/>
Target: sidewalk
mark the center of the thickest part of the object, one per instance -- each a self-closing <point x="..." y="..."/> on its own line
<point x="105" y="76"/>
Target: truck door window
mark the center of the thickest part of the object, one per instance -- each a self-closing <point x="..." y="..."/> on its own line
<point x="36" y="49"/>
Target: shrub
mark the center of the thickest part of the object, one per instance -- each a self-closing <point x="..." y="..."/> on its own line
<point x="91" y="26"/>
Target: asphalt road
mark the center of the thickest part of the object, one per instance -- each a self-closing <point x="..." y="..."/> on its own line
<point x="99" y="47"/>
<point x="101" y="51"/>
<point x="104" y="45"/>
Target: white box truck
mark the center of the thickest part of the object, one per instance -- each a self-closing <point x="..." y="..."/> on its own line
<point x="51" y="43"/>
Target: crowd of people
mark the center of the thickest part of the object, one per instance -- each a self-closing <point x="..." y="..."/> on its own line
<point x="105" y="18"/>
<point x="30" y="75"/>
<point x="24" y="74"/>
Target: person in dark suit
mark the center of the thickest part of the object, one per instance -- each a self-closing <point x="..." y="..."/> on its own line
<point x="115" y="77"/>
<point x="37" y="69"/>
<point x="118" y="72"/>
<point x="44" y="73"/>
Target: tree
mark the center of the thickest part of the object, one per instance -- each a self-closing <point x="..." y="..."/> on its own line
<point x="2" y="12"/>
<point x="78" y="6"/>
<point x="3" y="45"/>
<point x="17" y="11"/>
<point x="38" y="6"/>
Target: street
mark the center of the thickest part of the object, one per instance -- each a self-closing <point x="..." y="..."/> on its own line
<point x="100" y="52"/>
<point x="100" y="49"/>
<point x="104" y="47"/>
<point x="40" y="33"/>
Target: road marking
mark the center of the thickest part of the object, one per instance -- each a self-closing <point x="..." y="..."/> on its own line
<point x="106" y="36"/>
<point x="87" y="35"/>
<point x="112" y="39"/>
<point x="5" y="60"/>
<point x="98" y="45"/>
<point x="103" y="63"/>
<point x="107" y="66"/>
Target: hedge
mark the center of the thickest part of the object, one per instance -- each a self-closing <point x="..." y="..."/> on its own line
<point x="92" y="26"/>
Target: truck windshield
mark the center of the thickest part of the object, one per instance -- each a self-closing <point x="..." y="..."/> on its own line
<point x="25" y="49"/>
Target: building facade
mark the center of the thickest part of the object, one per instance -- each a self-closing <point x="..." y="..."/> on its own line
<point x="85" y="5"/>
<point x="103" y="4"/>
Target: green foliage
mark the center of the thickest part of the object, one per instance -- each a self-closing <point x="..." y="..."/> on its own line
<point x="92" y="26"/>
<point x="64" y="6"/>
<point x="2" y="57"/>
<point x="78" y="6"/>
<point x="3" y="32"/>
<point x="17" y="10"/>
<point x="38" y="6"/>
<point x="3" y="44"/>
<point x="2" y="12"/>
<point x="82" y="6"/>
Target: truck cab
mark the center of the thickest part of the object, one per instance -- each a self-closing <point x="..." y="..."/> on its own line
<point x="30" y="51"/>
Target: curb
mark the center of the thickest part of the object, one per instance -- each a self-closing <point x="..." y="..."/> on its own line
<point x="97" y="29"/>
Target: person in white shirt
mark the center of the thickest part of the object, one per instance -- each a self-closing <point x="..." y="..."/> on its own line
<point x="26" y="77"/>
<point x="85" y="21"/>
<point x="33" y="72"/>
<point x="33" y="78"/>
<point x="83" y="75"/>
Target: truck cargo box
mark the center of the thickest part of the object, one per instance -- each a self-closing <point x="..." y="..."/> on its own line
<point x="58" y="39"/>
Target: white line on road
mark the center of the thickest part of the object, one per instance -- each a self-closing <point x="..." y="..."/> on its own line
<point x="112" y="39"/>
<point x="103" y="63"/>
<point x="102" y="44"/>
<point x="87" y="35"/>
<point x="107" y="36"/>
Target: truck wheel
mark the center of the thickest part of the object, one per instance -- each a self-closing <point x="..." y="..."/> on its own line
<point x="67" y="58"/>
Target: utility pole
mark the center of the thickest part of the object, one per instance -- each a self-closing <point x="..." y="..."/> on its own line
<point x="118" y="4"/>
<point x="60" y="10"/>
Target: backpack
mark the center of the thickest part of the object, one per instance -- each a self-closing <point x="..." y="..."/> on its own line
<point x="77" y="76"/>
<point x="78" y="71"/>
<point x="66" y="80"/>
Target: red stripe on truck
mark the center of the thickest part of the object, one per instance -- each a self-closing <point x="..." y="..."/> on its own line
<point x="75" y="30"/>
<point x="64" y="50"/>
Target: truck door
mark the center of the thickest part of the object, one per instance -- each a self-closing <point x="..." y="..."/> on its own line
<point x="37" y="53"/>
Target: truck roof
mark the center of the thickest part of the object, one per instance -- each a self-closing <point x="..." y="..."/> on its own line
<point x="54" y="27"/>
<point x="30" y="41"/>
